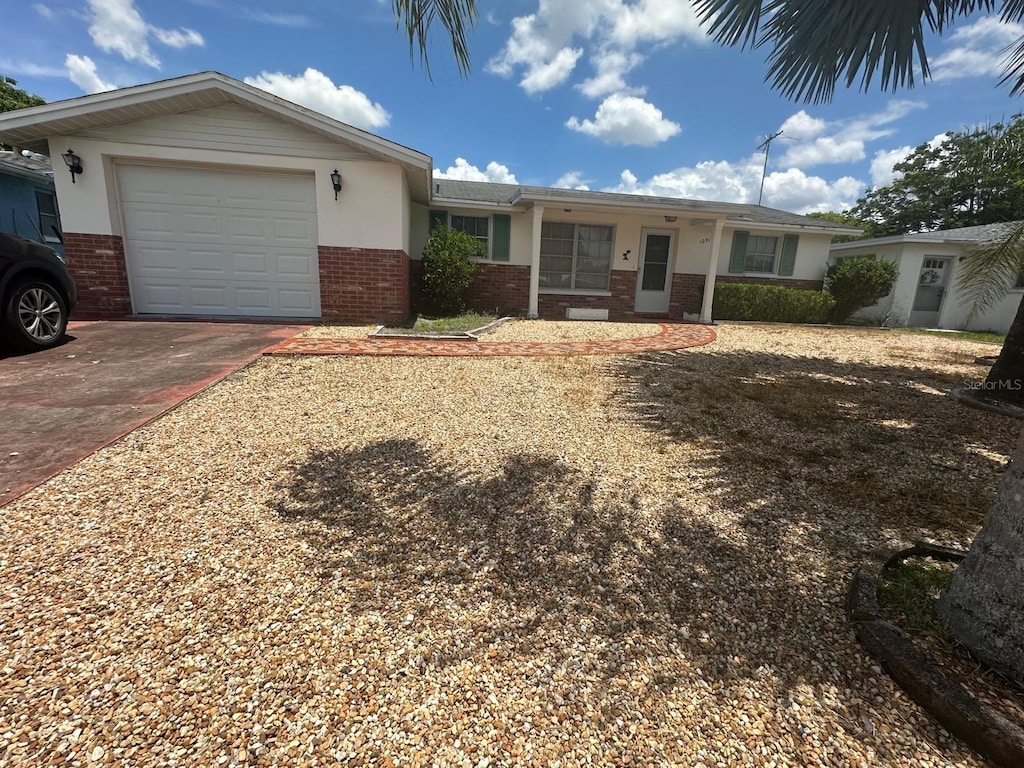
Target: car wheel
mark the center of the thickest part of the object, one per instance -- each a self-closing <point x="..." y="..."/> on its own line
<point x="37" y="316"/>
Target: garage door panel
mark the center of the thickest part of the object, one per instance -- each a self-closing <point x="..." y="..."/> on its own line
<point x="206" y="242"/>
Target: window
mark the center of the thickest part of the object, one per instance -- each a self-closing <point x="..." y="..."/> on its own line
<point x="575" y="257"/>
<point x="477" y="226"/>
<point x="49" y="224"/>
<point x="760" y="256"/>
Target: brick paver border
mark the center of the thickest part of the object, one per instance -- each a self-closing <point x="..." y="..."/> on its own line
<point x="671" y="336"/>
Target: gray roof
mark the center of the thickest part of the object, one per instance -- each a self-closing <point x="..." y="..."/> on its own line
<point x="510" y="194"/>
<point x="33" y="166"/>
<point x="981" y="233"/>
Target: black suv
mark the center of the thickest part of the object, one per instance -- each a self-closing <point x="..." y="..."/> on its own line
<point x="36" y="294"/>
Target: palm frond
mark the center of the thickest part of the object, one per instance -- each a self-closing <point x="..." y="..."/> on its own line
<point x="457" y="16"/>
<point x="815" y="44"/>
<point x="991" y="269"/>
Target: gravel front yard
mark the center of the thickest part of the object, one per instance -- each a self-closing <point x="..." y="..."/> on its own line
<point x="495" y="561"/>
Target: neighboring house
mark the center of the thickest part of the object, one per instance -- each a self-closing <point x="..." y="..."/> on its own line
<point x="28" y="200"/>
<point x="926" y="293"/>
<point x="202" y="195"/>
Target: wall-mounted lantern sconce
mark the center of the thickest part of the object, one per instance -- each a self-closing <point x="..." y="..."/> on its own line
<point x="625" y="256"/>
<point x="336" y="182"/>
<point x="74" y="163"/>
<point x="670" y="219"/>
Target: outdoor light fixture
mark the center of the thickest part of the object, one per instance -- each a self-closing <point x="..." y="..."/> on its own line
<point x="625" y="256"/>
<point x="336" y="182"/>
<point x="671" y="218"/>
<point x="74" y="163"/>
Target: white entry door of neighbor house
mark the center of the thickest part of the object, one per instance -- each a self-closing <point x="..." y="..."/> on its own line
<point x="931" y="288"/>
<point x="654" y="270"/>
<point x="212" y="242"/>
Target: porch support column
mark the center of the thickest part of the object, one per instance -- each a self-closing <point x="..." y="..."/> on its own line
<point x="538" y="216"/>
<point x="709" y="278"/>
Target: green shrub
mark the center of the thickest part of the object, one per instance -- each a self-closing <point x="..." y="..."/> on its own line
<point x="770" y="303"/>
<point x="449" y="261"/>
<point x="857" y="282"/>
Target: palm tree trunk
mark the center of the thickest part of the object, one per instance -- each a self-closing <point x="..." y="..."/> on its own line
<point x="984" y="605"/>
<point x="1005" y="381"/>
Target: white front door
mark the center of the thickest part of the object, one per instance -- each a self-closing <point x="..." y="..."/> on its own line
<point x="202" y="241"/>
<point x="931" y="287"/>
<point x="654" y="271"/>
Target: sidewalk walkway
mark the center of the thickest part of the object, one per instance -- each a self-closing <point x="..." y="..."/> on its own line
<point x="671" y="336"/>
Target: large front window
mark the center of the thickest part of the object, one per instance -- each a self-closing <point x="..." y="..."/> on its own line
<point x="575" y="257"/>
<point x="760" y="254"/>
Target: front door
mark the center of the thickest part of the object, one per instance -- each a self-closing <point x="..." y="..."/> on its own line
<point x="654" y="272"/>
<point x="931" y="287"/>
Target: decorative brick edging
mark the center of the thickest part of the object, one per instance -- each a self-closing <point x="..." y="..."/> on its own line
<point x="987" y="731"/>
<point x="674" y="336"/>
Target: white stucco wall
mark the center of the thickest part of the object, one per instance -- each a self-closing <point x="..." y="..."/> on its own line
<point x="371" y="210"/>
<point x="895" y="309"/>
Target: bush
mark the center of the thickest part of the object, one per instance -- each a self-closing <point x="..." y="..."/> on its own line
<point x="449" y="261"/>
<point x="770" y="303"/>
<point x="857" y="282"/>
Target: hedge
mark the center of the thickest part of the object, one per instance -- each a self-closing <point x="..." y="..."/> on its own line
<point x="770" y="303"/>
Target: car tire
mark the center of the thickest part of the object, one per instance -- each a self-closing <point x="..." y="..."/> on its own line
<point x="36" y="315"/>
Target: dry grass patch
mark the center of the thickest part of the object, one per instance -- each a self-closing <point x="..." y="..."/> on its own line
<point x="511" y="561"/>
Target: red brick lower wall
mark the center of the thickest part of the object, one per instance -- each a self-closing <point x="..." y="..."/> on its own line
<point x="96" y="262"/>
<point x="363" y="285"/>
<point x="501" y="288"/>
<point x="620" y="305"/>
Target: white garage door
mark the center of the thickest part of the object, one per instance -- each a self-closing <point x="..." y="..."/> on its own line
<point x="202" y="242"/>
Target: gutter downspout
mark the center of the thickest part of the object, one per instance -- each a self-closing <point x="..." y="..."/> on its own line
<point x="538" y="217"/>
<point x="709" y="278"/>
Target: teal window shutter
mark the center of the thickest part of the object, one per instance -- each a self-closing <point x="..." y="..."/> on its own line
<point x="501" y="230"/>
<point x="739" y="251"/>
<point x="438" y="219"/>
<point x="788" y="260"/>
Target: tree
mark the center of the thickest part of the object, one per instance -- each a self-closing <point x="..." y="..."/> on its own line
<point x="457" y="16"/>
<point x="845" y="219"/>
<point x="449" y="262"/>
<point x="974" y="177"/>
<point x="815" y="44"/>
<point x="12" y="98"/>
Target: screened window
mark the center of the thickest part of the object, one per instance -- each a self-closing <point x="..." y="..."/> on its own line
<point x="49" y="224"/>
<point x="760" y="254"/>
<point x="575" y="257"/>
<point x="477" y="226"/>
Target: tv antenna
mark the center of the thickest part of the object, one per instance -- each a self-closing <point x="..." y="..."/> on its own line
<point x="766" y="145"/>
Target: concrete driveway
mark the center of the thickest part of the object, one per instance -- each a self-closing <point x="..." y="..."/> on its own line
<point x="59" y="405"/>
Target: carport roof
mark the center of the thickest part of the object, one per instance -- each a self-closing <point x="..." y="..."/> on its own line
<point x="31" y="127"/>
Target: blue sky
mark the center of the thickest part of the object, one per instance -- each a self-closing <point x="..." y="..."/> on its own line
<point x="616" y="95"/>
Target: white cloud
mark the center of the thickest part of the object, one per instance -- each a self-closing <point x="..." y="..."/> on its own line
<point x="819" y="142"/>
<point x="17" y="67"/>
<point x="291" y="20"/>
<point x="315" y="90"/>
<point x="43" y="10"/>
<point x="739" y="182"/>
<point x="622" y="119"/>
<point x="572" y="180"/>
<point x="82" y="72"/>
<point x="976" y="49"/>
<point x="614" y="31"/>
<point x="463" y="171"/>
<point x="544" y="77"/>
<point x="882" y="172"/>
<point x="117" y="26"/>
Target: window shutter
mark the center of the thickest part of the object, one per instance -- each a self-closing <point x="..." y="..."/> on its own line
<point x="438" y="219"/>
<point x="739" y="251"/>
<point x="501" y="229"/>
<point x="788" y="260"/>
